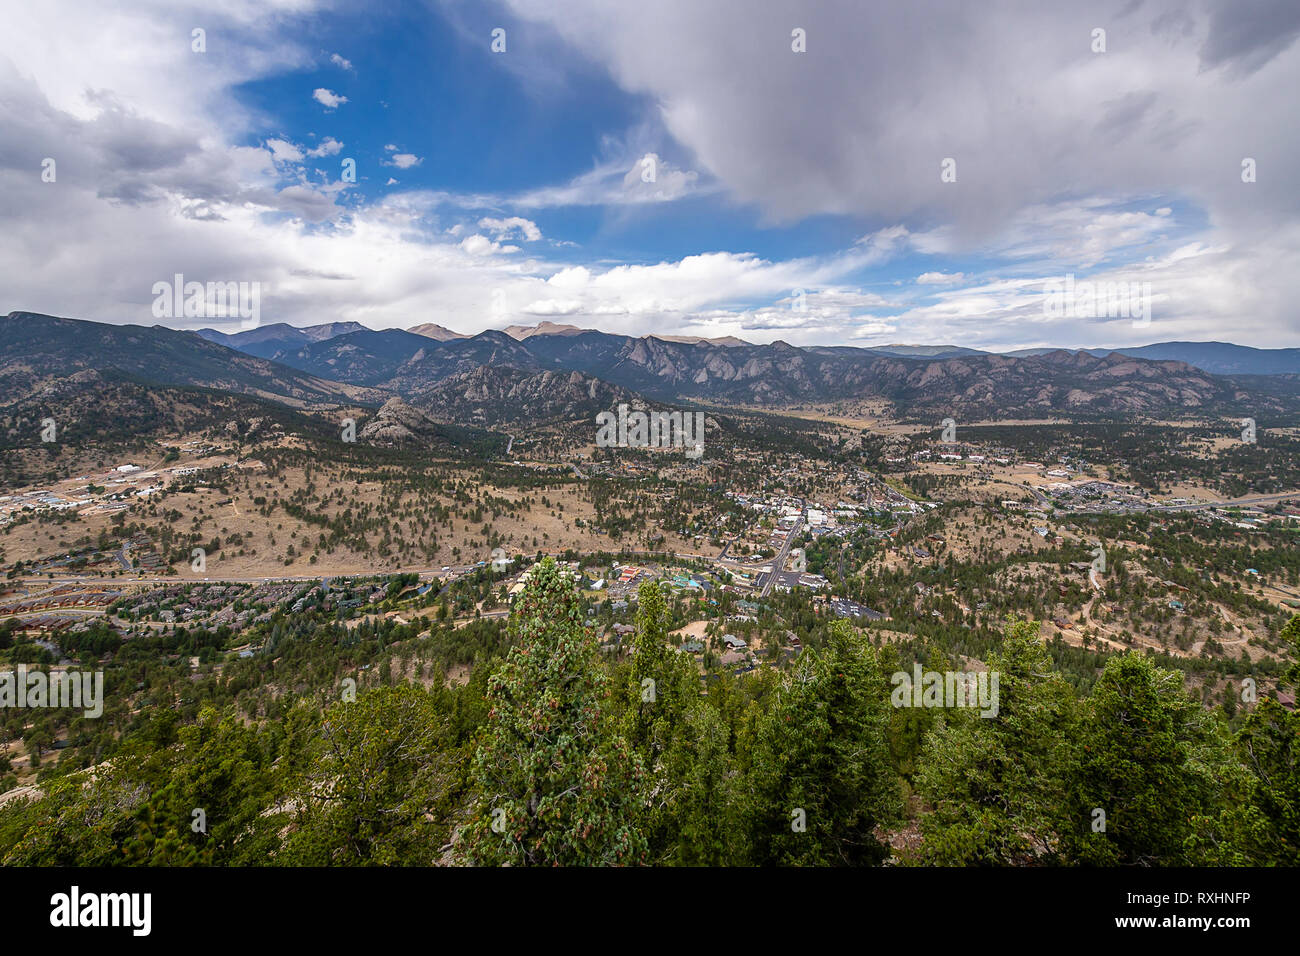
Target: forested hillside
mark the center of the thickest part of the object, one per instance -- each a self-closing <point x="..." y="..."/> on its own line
<point x="550" y="752"/>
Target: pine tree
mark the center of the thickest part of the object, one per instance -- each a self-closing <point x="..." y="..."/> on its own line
<point x="1150" y="758"/>
<point x="701" y="817"/>
<point x="555" y="785"/>
<point x="1258" y="820"/>
<point x="995" y="784"/>
<point x="821" y="780"/>
<point x="663" y="689"/>
<point x="376" y="786"/>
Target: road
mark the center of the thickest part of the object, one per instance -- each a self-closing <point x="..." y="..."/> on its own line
<point x="92" y="611"/>
<point x="778" y="563"/>
<point x="215" y="579"/>
<point x="422" y="573"/>
<point x="1039" y="497"/>
<point x="1231" y="502"/>
<point x="1247" y="502"/>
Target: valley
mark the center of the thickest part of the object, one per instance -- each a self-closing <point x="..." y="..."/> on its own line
<point x="194" y="534"/>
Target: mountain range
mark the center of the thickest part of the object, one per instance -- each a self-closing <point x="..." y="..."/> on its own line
<point x="36" y="349"/>
<point x="553" y="371"/>
<point x="1219" y="358"/>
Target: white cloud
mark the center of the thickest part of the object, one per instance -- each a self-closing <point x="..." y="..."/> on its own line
<point x="404" y="160"/>
<point x="648" y="179"/>
<point x="939" y="278"/>
<point x="328" y="98"/>
<point x="651" y="179"/>
<point x="284" y="151"/>
<point x="799" y="138"/>
<point x="477" y="245"/>
<point x="507" y="228"/>
<point x="329" y="146"/>
<point x="341" y="62"/>
<point x="553" y="307"/>
<point x="1144" y="192"/>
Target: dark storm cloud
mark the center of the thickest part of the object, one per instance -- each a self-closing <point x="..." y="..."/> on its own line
<point x="1244" y="35"/>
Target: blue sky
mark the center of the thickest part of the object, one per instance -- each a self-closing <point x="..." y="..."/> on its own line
<point x="797" y="193"/>
<point x="477" y="128"/>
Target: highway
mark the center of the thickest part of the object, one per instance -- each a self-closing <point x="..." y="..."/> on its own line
<point x="1231" y="502"/>
<point x="422" y="573"/>
<point x="778" y="563"/>
<point x="1247" y="502"/>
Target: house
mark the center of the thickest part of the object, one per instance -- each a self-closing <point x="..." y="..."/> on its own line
<point x="733" y="642"/>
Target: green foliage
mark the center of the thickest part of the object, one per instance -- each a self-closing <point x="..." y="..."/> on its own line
<point x="1147" y="758"/>
<point x="554" y="785"/>
<point x="376" y="783"/>
<point x="141" y="807"/>
<point x="550" y="753"/>
<point x="995" y="782"/>
<point x="667" y="724"/>
<point x="821" y="782"/>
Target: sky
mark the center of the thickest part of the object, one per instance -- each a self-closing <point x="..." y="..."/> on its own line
<point x="815" y="172"/>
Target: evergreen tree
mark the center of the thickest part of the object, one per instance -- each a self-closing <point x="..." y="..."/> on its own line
<point x="702" y="821"/>
<point x="378" y="786"/>
<point x="995" y="783"/>
<point x="1151" y="759"/>
<point x="1259" y="822"/>
<point x="821" y="781"/>
<point x="554" y="784"/>
<point x="662" y="686"/>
